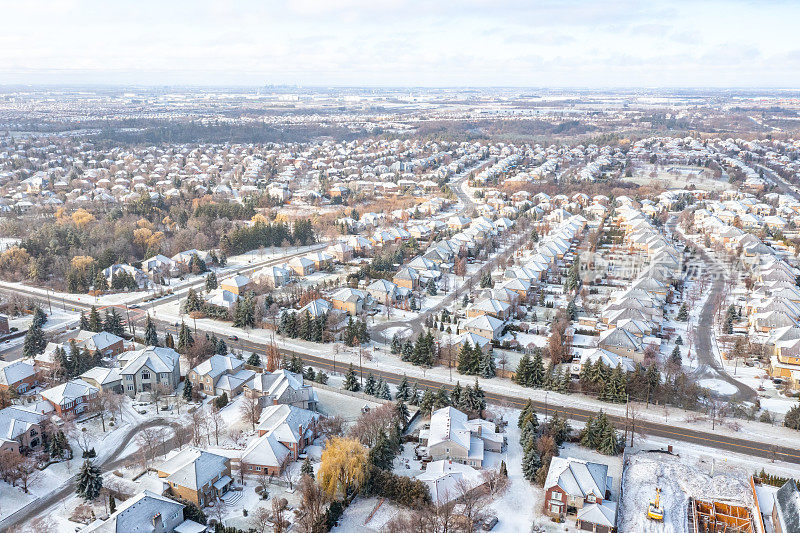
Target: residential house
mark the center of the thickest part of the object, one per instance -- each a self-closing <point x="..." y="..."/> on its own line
<point x="282" y="387"/>
<point x="284" y="432"/>
<point x="237" y="285"/>
<point x="144" y="369"/>
<point x="220" y="374"/>
<point x="105" y="379"/>
<point x="302" y="266"/>
<point x="71" y="397"/>
<point x="147" y="512"/>
<point x="19" y="376"/>
<point x="580" y="489"/>
<point x="786" y="508"/>
<point x="196" y="475"/>
<point x="351" y="301"/>
<point x="21" y="427"/>
<point x="483" y="325"/>
<point x="453" y="437"/>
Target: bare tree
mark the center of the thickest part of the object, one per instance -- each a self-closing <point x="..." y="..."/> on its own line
<point x="216" y="422"/>
<point x="198" y="425"/>
<point x="220" y="509"/>
<point x="332" y="426"/>
<point x="261" y="519"/>
<point x="286" y="471"/>
<point x="278" y="522"/>
<point x="472" y="501"/>
<point x="183" y="436"/>
<point x="494" y="481"/>
<point x="372" y="423"/>
<point x="250" y="410"/>
<point x="311" y="502"/>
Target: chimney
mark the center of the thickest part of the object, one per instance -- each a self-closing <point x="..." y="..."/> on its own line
<point x="157" y="522"/>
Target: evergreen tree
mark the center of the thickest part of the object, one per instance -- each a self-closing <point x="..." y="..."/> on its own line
<point x="95" y="323"/>
<point x="431" y="288"/>
<point x="525" y="410"/>
<point x="527" y="431"/>
<point x="683" y="313"/>
<point x="84" y="324"/>
<point x="100" y="282"/>
<point x="307" y="469"/>
<point x="792" y="418"/>
<point x="89" y="481"/>
<point x="609" y="441"/>
<point x="537" y="370"/>
<point x="382" y="454"/>
<point x="321" y="377"/>
<point x="523" y="374"/>
<point x="185" y="339"/>
<point x="222" y="347"/>
<point x="309" y="374"/>
<point x="408" y="351"/>
<point x="35" y="342"/>
<point x="530" y="461"/>
<point x="211" y="282"/>
<point x="369" y="385"/>
<point x="169" y="342"/>
<point x="403" y="391"/>
<point x="402" y="412"/>
<point x="488" y="369"/>
<point x="396" y="345"/>
<point x="675" y="356"/>
<point x="351" y="381"/>
<point x="466" y="362"/>
<point x="187" y="390"/>
<point x="254" y="359"/>
<point x="503" y="469"/>
<point x="456" y="395"/>
<point x="193" y="302"/>
<point x="384" y="392"/>
<point x="112" y="323"/>
<point x="413" y="397"/>
<point x="150" y="335"/>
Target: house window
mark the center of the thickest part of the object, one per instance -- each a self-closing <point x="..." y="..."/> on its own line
<point x="590" y="498"/>
<point x="554" y="508"/>
<point x="130" y="387"/>
<point x="145" y="375"/>
<point x="556" y="495"/>
<point x="128" y="378"/>
<point x="258" y="469"/>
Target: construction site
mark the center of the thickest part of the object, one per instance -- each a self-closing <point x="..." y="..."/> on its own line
<point x="719" y="517"/>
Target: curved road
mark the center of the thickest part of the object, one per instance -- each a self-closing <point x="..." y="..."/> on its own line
<point x="34" y="508"/>
<point x="710" y="367"/>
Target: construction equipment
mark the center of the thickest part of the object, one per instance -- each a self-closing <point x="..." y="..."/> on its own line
<point x="654" y="509"/>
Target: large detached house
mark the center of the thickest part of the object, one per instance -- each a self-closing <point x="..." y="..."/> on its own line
<point x="453" y="437"/>
<point x="197" y="476"/>
<point x="282" y="387"/>
<point x="580" y="489"/>
<point x="284" y="432"/>
<point x="70" y="397"/>
<point x="147" y="512"/>
<point x="144" y="369"/>
<point x="220" y="374"/>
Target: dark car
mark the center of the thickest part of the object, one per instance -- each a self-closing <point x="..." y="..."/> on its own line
<point x="233" y="338"/>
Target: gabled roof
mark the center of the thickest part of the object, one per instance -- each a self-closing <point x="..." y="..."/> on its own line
<point x="217" y="365"/>
<point x="787" y="504"/>
<point x="285" y="421"/>
<point x="577" y="477"/>
<point x="69" y="391"/>
<point x="135" y="515"/>
<point x="193" y="468"/>
<point x="15" y="371"/>
<point x="159" y="360"/>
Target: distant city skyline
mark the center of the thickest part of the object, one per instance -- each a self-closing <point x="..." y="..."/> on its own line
<point x="573" y="43"/>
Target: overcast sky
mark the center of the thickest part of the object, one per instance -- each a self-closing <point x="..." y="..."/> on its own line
<point x="592" y="43"/>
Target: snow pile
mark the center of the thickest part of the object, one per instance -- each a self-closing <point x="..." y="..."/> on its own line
<point x="679" y="480"/>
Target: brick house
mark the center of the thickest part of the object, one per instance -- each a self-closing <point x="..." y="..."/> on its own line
<point x="196" y="475"/>
<point x="284" y="432"/>
<point x="71" y="397"/>
<point x="19" y="376"/>
<point x="581" y="490"/>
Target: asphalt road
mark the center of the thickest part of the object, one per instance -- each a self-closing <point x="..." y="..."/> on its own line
<point x="665" y="430"/>
<point x="13" y="521"/>
<point x="710" y="367"/>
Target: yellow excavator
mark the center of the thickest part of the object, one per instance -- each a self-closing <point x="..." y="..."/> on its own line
<point x="654" y="509"/>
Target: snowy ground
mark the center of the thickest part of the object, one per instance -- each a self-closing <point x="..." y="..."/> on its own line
<point x="355" y="516"/>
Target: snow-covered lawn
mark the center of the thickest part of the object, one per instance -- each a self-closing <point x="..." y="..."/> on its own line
<point x="355" y="516"/>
